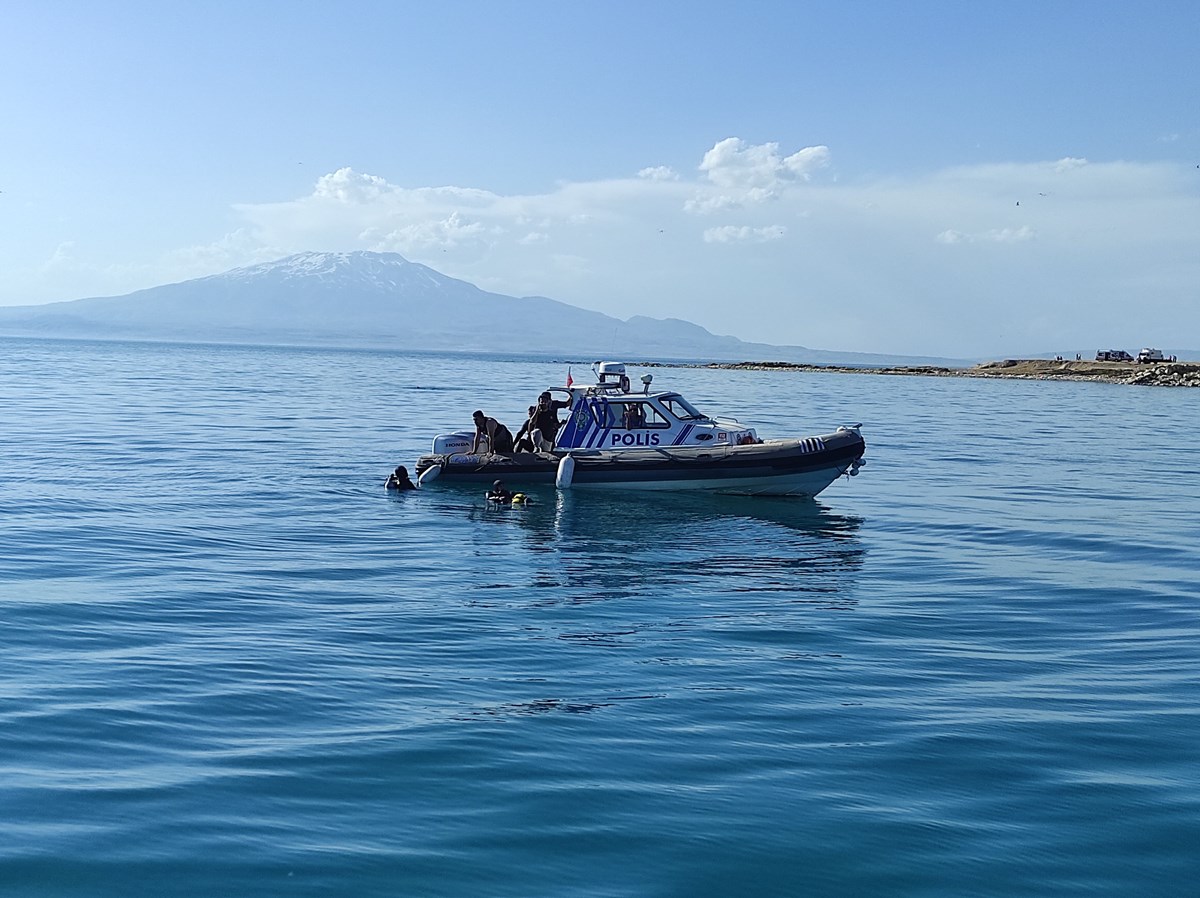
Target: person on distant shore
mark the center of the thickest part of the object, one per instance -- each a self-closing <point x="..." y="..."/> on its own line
<point x="398" y="480"/>
<point x="490" y="431"/>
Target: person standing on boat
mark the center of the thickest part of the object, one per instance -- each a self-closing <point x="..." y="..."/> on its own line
<point x="498" y="437"/>
<point x="633" y="418"/>
<point x="547" y="419"/>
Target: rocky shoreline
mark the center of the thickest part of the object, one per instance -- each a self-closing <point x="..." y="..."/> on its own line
<point x="1161" y="374"/>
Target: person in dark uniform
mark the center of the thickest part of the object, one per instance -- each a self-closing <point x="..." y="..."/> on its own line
<point x="398" y="480"/>
<point x="524" y="436"/>
<point x="499" y="438"/>
<point x="547" y="418"/>
<point x="633" y="418"/>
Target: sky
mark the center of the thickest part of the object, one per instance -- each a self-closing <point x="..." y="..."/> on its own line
<point x="929" y="178"/>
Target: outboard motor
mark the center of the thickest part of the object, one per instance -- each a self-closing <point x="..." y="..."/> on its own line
<point x="453" y="443"/>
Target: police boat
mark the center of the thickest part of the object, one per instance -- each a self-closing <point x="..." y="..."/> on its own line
<point x="615" y="437"/>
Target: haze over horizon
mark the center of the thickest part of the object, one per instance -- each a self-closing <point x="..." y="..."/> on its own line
<point x="928" y="179"/>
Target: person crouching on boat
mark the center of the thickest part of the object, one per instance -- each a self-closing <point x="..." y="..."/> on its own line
<point x="490" y="431"/>
<point x="398" y="480"/>
<point x="529" y="438"/>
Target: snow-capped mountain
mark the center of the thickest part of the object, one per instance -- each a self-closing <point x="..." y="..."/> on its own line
<point x="379" y="300"/>
<point x="379" y="271"/>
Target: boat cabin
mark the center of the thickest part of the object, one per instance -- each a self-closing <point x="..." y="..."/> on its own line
<point x="610" y="415"/>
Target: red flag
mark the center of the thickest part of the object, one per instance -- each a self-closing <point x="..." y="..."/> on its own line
<point x="569" y="381"/>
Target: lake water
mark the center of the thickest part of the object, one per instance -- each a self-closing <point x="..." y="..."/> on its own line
<point x="232" y="664"/>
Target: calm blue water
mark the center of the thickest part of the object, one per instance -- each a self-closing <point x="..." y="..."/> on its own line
<point x="231" y="664"/>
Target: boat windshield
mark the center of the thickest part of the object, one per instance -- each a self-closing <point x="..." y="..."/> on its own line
<point x="681" y="408"/>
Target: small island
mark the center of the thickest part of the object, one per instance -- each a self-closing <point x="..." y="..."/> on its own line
<point x="1157" y="374"/>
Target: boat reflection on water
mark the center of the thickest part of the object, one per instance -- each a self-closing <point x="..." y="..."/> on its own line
<point x="590" y="546"/>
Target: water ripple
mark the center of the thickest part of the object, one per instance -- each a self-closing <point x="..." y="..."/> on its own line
<point x="232" y="664"/>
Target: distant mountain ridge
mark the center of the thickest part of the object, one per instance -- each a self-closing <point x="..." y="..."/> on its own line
<point x="383" y="300"/>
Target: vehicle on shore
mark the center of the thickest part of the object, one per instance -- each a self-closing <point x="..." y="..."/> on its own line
<point x="1149" y="356"/>
<point x="614" y="437"/>
<point x="1113" y="355"/>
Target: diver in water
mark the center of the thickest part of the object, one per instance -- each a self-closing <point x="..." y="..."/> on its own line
<point x="398" y="480"/>
<point x="499" y="494"/>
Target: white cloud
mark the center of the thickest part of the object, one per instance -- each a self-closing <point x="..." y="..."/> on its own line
<point x="953" y="262"/>
<point x="804" y="163"/>
<point x="634" y="245"/>
<point x="348" y="186"/>
<point x="734" y="163"/>
<point x="995" y="235"/>
<point x="453" y="230"/>
<point x="1010" y="235"/>
<point x="240" y="247"/>
<point x="741" y="175"/>
<point x="743" y="234"/>
<point x="659" y="173"/>
<point x="1069" y="164"/>
<point x="61" y="257"/>
<point x="701" y="204"/>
